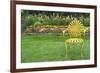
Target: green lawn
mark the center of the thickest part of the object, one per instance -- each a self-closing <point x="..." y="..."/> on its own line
<point x="41" y="48"/>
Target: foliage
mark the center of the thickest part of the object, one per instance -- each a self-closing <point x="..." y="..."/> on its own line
<point x="52" y="18"/>
<point x="86" y="21"/>
<point x="37" y="24"/>
<point x="27" y="21"/>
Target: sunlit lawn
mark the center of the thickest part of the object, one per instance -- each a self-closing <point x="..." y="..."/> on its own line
<point x="40" y="48"/>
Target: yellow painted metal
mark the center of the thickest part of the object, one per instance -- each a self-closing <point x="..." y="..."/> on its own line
<point x="74" y="30"/>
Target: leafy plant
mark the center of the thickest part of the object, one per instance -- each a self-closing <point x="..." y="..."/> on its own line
<point x="86" y="22"/>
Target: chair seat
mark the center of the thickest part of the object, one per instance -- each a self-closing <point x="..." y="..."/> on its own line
<point x="74" y="40"/>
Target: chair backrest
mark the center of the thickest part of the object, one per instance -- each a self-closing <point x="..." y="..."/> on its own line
<point x="75" y="29"/>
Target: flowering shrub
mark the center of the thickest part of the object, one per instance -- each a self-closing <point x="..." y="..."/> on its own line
<point x="48" y="19"/>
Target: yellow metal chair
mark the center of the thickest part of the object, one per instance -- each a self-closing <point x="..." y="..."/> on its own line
<point x="74" y="30"/>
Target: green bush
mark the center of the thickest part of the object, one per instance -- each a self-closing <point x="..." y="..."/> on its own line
<point x="86" y="22"/>
<point x="37" y="24"/>
<point x="29" y="20"/>
<point x="41" y="18"/>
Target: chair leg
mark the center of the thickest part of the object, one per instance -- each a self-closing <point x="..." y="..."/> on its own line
<point x="66" y="50"/>
<point x="81" y="50"/>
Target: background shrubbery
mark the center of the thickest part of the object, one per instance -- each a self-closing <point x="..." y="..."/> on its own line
<point x="51" y="19"/>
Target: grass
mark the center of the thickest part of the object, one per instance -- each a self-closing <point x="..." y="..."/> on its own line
<point x="41" y="48"/>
